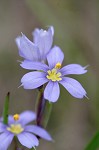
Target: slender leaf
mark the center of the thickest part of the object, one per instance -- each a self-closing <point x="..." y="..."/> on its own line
<point x="6" y="109"/>
<point x="94" y="143"/>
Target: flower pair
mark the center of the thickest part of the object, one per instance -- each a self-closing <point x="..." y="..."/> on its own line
<point x="36" y="54"/>
<point x="26" y="134"/>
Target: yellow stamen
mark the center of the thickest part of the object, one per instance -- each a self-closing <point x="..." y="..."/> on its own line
<point x="15" y="128"/>
<point x="16" y="117"/>
<point x="58" y="65"/>
<point x="53" y="75"/>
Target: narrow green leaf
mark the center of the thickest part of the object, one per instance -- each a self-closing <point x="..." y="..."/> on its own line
<point x="6" y="109"/>
<point x="94" y="143"/>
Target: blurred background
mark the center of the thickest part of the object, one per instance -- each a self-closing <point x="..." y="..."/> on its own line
<point x="73" y="122"/>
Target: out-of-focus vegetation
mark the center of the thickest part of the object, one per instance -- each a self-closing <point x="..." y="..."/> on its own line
<point x="73" y="122"/>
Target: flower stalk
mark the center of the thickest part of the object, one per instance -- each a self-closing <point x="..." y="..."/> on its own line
<point x="15" y="144"/>
<point x="43" y="109"/>
<point x="33" y="148"/>
<point x="40" y="105"/>
<point x="46" y="113"/>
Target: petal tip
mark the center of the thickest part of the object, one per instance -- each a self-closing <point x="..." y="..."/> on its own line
<point x="87" y="97"/>
<point x="20" y="85"/>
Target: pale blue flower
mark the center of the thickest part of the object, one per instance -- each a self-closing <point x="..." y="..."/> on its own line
<point x="26" y="134"/>
<point x="39" y="48"/>
<point x="53" y="74"/>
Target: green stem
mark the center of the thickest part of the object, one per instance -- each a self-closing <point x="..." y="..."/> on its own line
<point x="46" y="113"/>
<point x="33" y="148"/>
<point x="15" y="143"/>
<point x="40" y="105"/>
<point x="43" y="109"/>
<point x="6" y="109"/>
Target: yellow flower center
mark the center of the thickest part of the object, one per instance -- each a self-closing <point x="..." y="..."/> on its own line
<point x="16" y="117"/>
<point x="53" y="75"/>
<point x="58" y="65"/>
<point x="15" y="128"/>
